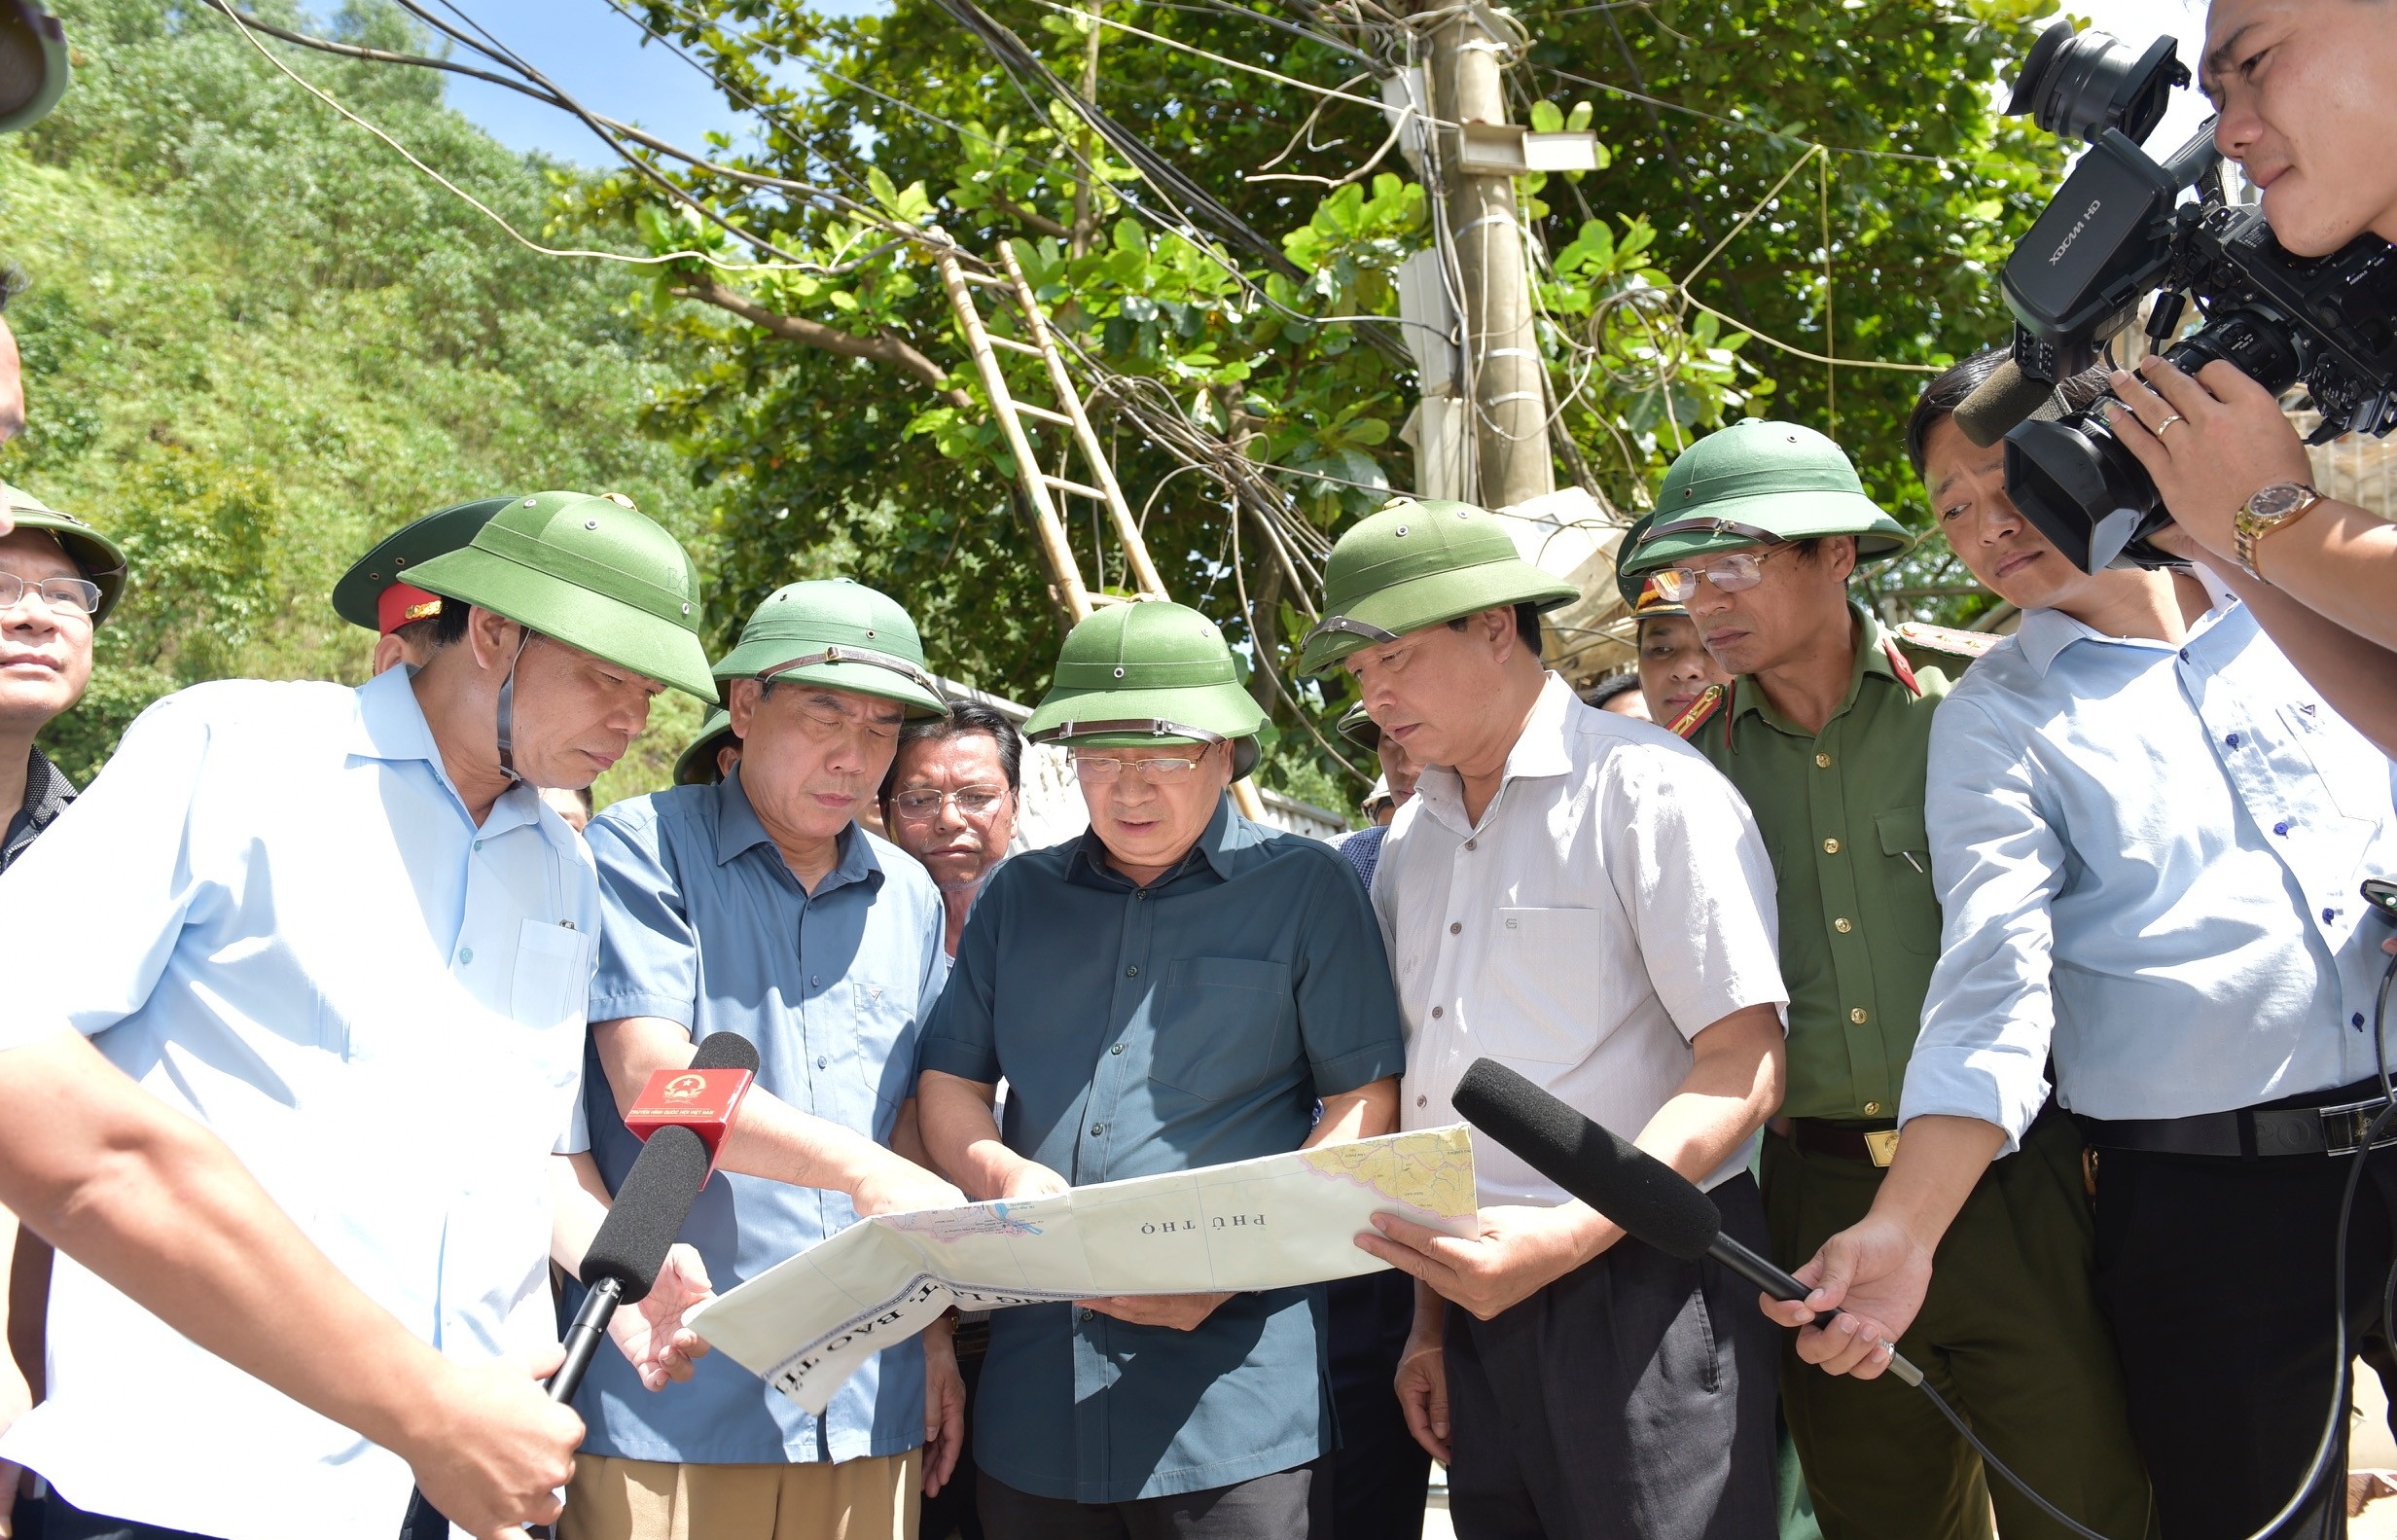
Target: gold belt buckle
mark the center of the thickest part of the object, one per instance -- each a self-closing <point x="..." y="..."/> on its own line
<point x="1882" y="1145"/>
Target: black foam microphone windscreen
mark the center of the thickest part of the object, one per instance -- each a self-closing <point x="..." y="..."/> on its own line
<point x="649" y="1212"/>
<point x="657" y="1193"/>
<point x="1999" y="403"/>
<point x="1648" y="1198"/>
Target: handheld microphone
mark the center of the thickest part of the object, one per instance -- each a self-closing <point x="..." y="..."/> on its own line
<point x="677" y="1159"/>
<point x="1651" y="1200"/>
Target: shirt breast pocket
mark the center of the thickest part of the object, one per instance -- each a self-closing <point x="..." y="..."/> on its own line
<point x="1907" y="889"/>
<point x="549" y="993"/>
<point x="2356" y="778"/>
<point x="1539" y="981"/>
<point x="1220" y="1025"/>
<point x="886" y="1047"/>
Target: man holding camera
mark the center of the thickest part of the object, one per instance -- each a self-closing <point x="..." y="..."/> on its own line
<point x="2147" y="833"/>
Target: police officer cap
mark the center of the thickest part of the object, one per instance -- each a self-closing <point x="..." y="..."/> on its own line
<point x="376" y="594"/>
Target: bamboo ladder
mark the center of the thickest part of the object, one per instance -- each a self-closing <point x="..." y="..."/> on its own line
<point x="1017" y="420"/>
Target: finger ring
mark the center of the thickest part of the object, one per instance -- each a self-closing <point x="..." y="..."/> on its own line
<point x="2167" y="422"/>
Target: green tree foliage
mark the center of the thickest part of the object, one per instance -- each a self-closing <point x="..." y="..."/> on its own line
<point x="823" y="462"/>
<point x="256" y="340"/>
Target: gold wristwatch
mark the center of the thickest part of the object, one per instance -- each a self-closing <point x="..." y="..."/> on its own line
<point x="2272" y="507"/>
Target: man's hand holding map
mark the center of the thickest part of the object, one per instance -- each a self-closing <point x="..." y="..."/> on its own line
<point x="805" y="1324"/>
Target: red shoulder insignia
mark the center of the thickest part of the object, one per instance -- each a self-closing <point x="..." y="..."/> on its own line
<point x="1900" y="666"/>
<point x="1688" y="722"/>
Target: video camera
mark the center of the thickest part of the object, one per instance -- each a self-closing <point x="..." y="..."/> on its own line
<point x="2118" y="229"/>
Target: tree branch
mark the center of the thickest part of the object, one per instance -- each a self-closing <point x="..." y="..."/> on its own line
<point x="883" y="348"/>
<point x="1030" y="219"/>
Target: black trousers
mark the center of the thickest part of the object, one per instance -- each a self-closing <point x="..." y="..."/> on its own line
<point x="1632" y="1399"/>
<point x="1381" y="1476"/>
<point x="1287" y="1505"/>
<point x="2217" y="1274"/>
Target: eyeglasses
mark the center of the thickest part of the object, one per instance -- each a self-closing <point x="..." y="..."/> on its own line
<point x="1737" y="571"/>
<point x="923" y="804"/>
<point x="58" y="594"/>
<point x="1099" y="769"/>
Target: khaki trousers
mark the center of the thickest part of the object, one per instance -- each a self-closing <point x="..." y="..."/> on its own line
<point x="863" y="1499"/>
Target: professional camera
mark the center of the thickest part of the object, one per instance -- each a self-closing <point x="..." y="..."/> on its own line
<point x="2120" y="229"/>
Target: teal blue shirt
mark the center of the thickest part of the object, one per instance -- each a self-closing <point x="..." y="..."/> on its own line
<point x="1143" y="1030"/>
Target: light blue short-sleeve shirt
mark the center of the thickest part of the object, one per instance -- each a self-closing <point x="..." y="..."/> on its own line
<point x="705" y="926"/>
<point x="274" y="910"/>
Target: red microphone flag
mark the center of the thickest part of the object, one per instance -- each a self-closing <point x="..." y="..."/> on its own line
<point x="703" y="1100"/>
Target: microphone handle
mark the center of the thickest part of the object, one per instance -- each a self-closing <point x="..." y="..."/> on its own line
<point x="584" y="1336"/>
<point x="1781" y="1286"/>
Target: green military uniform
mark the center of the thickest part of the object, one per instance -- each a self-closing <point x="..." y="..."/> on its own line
<point x="2011" y="1331"/>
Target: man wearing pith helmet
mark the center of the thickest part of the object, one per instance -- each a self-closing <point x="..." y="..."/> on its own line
<point x="64" y="577"/>
<point x="1175" y="987"/>
<point x="340" y="927"/>
<point x="1577" y="895"/>
<point x="1826" y="730"/>
<point x="757" y="905"/>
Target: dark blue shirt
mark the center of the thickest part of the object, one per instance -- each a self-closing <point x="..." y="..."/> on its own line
<point x="1141" y="1030"/>
<point x="703" y="925"/>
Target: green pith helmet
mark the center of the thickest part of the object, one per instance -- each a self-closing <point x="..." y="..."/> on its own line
<point x="1416" y="564"/>
<point x="842" y="634"/>
<point x="1359" y="729"/>
<point x="34" y="64"/>
<point x="696" y="764"/>
<point x="358" y="597"/>
<point x="592" y="572"/>
<point x="1136" y="675"/>
<point x="1758" y="483"/>
<point x="99" y="556"/>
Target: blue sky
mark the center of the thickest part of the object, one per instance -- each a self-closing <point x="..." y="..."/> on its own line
<point x="607" y="62"/>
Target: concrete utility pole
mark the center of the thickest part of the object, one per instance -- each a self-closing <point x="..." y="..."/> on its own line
<point x="1509" y="401"/>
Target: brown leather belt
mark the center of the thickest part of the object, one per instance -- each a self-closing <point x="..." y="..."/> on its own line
<point x="1875" y="1145"/>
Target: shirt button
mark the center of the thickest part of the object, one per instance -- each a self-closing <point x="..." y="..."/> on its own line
<point x="1423" y="1101"/>
<point x="1831" y="847"/>
<point x="1473" y="845"/>
<point x="1872" y="1109"/>
<point x="2357" y="1021"/>
<point x="815" y="981"/>
<point x="1437" y="1012"/>
<point x="2231" y="741"/>
<point x="1842" y="925"/>
<point x="1089" y="1315"/>
<point x="823" y="1063"/>
<point x="2281" y="827"/>
<point x="1118" y="1048"/>
<point x="1857" y="1016"/>
<point x="466" y="954"/>
<point x="1097" y="1129"/>
<point x="1454" y="926"/>
<point x="2184" y="654"/>
<point x="478" y="844"/>
<point x="1822" y="762"/>
<point x="2329" y="914"/>
<point x="1132" y="972"/>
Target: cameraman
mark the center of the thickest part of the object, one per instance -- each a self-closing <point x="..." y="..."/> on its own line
<point x="2308" y="98"/>
<point x="2146" y="833"/>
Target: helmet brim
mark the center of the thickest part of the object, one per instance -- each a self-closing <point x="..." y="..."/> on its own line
<point x="1792" y="515"/>
<point x="751" y="659"/>
<point x="1433" y="599"/>
<point x="608" y="628"/>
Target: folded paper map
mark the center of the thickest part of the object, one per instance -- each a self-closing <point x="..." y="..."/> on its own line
<point x="805" y="1324"/>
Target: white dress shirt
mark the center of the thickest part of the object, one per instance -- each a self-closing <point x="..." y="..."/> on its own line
<point x="272" y="909"/>
<point x="2148" y="858"/>
<point x="1613" y="902"/>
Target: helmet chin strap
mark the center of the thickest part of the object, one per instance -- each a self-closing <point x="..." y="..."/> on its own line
<point x="506" y="709"/>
